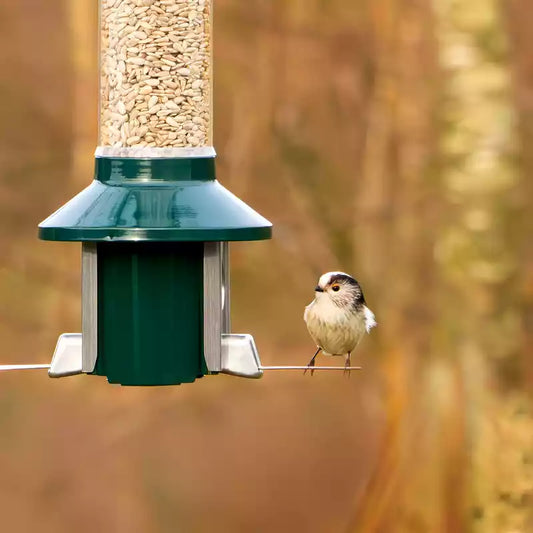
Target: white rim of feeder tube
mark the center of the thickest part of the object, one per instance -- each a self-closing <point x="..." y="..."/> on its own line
<point x="143" y="152"/>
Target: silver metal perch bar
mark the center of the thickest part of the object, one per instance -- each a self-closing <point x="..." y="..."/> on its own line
<point x="47" y="366"/>
<point x="239" y="357"/>
<point x="310" y="368"/>
<point x="23" y="367"/>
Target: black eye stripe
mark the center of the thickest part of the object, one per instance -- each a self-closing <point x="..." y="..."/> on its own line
<point x="343" y="278"/>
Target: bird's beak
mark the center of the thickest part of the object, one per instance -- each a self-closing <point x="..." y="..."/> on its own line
<point x="319" y="289"/>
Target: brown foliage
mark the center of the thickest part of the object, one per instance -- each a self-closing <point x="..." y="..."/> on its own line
<point x="349" y="125"/>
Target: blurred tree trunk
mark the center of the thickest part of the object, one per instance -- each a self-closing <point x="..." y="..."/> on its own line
<point x="83" y="52"/>
<point x="478" y="259"/>
<point x="35" y="144"/>
<point x="519" y="18"/>
<point x="395" y="213"/>
<point x="456" y="452"/>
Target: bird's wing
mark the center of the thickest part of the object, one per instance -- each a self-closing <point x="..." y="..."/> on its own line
<point x="307" y="309"/>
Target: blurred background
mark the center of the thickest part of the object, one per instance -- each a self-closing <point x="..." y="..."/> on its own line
<point x="390" y="139"/>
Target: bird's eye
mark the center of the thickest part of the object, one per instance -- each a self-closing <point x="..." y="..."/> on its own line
<point x="335" y="288"/>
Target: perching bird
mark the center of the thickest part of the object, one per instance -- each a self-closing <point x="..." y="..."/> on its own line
<point x="338" y="316"/>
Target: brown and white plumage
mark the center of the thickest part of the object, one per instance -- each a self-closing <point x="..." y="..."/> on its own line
<point x="338" y="317"/>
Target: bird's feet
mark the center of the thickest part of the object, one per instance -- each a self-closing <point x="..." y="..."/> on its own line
<point x="311" y="363"/>
<point x="347" y="365"/>
<point x="310" y="366"/>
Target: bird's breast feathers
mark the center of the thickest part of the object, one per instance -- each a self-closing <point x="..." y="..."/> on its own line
<point x="337" y="331"/>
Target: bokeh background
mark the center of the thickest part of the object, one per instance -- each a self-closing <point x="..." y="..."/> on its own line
<point x="387" y="138"/>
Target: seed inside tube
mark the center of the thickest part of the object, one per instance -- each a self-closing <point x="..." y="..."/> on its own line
<point x="155" y="74"/>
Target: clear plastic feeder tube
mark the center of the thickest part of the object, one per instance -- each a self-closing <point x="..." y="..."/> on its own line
<point x="155" y="78"/>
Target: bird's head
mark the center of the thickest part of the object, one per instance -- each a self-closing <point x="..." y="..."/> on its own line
<point x="341" y="288"/>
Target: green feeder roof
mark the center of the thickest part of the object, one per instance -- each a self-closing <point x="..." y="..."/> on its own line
<point x="155" y="200"/>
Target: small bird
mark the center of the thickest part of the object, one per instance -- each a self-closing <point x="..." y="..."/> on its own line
<point x="338" y="316"/>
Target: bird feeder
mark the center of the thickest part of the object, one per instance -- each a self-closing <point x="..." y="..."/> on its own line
<point x="155" y="223"/>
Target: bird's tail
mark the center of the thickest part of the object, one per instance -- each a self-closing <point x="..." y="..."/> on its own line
<point x="370" y="319"/>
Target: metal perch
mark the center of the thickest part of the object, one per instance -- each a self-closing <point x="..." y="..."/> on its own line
<point x="23" y="367"/>
<point x="239" y="358"/>
<point x="305" y="367"/>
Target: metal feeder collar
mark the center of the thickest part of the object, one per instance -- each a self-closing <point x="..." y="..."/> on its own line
<point x="155" y="200"/>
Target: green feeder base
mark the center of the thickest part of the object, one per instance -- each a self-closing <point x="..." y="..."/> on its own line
<point x="150" y="313"/>
<point x="144" y="276"/>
